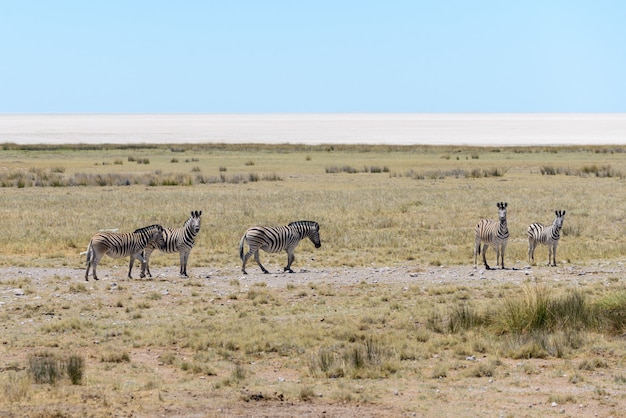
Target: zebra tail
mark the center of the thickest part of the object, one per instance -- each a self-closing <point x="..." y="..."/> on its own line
<point x="241" y="246"/>
<point x="89" y="251"/>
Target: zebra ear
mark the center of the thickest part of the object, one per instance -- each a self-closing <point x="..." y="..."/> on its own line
<point x="199" y="213"/>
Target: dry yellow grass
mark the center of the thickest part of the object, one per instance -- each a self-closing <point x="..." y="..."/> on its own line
<point x="423" y="207"/>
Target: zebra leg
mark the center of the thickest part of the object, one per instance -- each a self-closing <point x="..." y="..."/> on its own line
<point x="485" y="246"/>
<point x="94" y="263"/>
<point x="554" y="254"/>
<point x="130" y="265"/>
<point x="88" y="267"/>
<point x="258" y="261"/>
<point x="290" y="258"/>
<point x="244" y="260"/>
<point x="145" y="266"/>
<point x="496" y="247"/>
<point x="502" y="249"/>
<point x="137" y="256"/>
<point x="551" y="255"/>
<point x="89" y="257"/>
<point x="184" y="256"/>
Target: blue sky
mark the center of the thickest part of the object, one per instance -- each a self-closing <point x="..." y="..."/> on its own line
<point x="312" y="56"/>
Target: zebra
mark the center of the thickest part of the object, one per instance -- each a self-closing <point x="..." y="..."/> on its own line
<point x="492" y="233"/>
<point x="179" y="240"/>
<point x="117" y="245"/>
<point x="549" y="235"/>
<point x="274" y="239"/>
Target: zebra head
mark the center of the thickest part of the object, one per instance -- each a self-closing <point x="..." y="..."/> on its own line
<point x="194" y="222"/>
<point x="156" y="234"/>
<point x="314" y="234"/>
<point x="309" y="229"/>
<point x="502" y="210"/>
<point x="558" y="222"/>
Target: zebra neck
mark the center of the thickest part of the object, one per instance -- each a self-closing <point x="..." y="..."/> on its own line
<point x="504" y="229"/>
<point x="190" y="234"/>
<point x="144" y="238"/>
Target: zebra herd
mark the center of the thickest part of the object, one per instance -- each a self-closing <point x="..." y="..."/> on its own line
<point x="140" y="244"/>
<point x="496" y="234"/>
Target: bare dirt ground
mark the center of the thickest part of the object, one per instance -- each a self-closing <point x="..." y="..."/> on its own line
<point x="527" y="388"/>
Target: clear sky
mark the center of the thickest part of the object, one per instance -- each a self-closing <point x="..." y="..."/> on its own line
<point x="312" y="56"/>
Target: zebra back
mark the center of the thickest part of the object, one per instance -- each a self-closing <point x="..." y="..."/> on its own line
<point x="118" y="245"/>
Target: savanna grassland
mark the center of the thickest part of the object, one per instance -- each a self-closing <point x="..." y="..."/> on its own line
<point x="387" y="318"/>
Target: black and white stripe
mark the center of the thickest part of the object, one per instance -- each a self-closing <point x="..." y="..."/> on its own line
<point x="495" y="233"/>
<point x="274" y="239"/>
<point x="117" y="245"/>
<point x="548" y="235"/>
<point x="179" y="240"/>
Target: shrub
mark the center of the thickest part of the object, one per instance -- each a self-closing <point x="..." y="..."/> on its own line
<point x="463" y="317"/>
<point x="44" y="368"/>
<point x="74" y="367"/>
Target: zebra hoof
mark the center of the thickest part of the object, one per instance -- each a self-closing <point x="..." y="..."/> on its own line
<point x="141" y="275"/>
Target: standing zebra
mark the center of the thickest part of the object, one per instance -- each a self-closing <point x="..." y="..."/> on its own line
<point x="492" y="233"/>
<point x="274" y="239"/>
<point x="179" y="240"/>
<point x="549" y="235"/>
<point x="117" y="245"/>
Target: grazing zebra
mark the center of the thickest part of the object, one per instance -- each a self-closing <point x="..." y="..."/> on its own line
<point x="492" y="233"/>
<point x="549" y="235"/>
<point x="179" y="240"/>
<point x="117" y="245"/>
<point x="274" y="239"/>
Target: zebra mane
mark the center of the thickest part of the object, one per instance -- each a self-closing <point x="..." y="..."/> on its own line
<point x="147" y="228"/>
<point x="310" y="224"/>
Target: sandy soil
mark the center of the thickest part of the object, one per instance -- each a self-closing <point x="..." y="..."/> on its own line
<point x="519" y="395"/>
